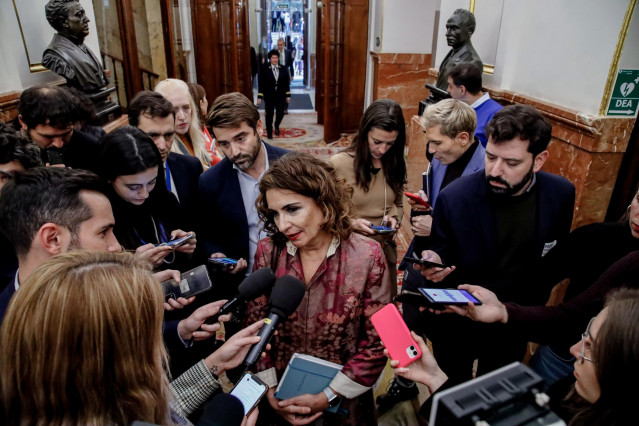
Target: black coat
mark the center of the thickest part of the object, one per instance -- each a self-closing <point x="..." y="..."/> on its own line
<point x="186" y="171"/>
<point x="269" y="89"/>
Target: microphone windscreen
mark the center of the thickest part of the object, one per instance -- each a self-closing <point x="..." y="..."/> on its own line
<point x="223" y="410"/>
<point x="287" y="295"/>
<point x="257" y="284"/>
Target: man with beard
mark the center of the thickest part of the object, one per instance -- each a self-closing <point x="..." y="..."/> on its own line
<point x="229" y="222"/>
<point x="491" y="228"/>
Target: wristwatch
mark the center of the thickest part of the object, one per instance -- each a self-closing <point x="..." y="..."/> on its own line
<point x="333" y="398"/>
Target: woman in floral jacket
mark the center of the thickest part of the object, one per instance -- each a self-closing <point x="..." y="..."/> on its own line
<point x="305" y="209"/>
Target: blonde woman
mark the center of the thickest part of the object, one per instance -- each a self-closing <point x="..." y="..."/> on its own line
<point x="81" y="343"/>
<point x="188" y="139"/>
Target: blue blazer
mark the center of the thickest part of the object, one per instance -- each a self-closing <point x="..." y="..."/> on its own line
<point x="464" y="233"/>
<point x="432" y="185"/>
<point x="186" y="171"/>
<point x="223" y="223"/>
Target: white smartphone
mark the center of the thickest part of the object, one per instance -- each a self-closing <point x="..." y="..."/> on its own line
<point x="250" y="389"/>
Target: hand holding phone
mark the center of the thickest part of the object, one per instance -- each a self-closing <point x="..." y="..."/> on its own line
<point x="177" y="242"/>
<point x="412" y="298"/>
<point x="416" y="198"/>
<point x="383" y="229"/>
<point x="416" y="259"/>
<point x="192" y="283"/>
<point x="449" y="296"/>
<point x="249" y="390"/>
<point x="395" y="335"/>
<point x="223" y="261"/>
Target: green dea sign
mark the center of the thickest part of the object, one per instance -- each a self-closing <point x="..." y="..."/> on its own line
<point x="625" y="94"/>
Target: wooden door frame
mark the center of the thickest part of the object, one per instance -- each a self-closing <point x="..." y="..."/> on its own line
<point x="167" y="33"/>
<point x="132" y="76"/>
<point x="237" y="73"/>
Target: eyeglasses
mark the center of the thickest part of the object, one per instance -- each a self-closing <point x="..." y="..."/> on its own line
<point x="584" y="336"/>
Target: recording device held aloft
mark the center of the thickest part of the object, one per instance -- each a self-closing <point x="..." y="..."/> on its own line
<point x="286" y="296"/>
<point x="253" y="286"/>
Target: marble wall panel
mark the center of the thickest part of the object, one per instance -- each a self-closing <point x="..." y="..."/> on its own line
<point x="401" y="77"/>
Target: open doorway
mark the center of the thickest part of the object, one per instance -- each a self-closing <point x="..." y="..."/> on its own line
<point x="293" y="22"/>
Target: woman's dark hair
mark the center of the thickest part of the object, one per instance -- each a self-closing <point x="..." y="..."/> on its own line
<point x="127" y="151"/>
<point x="385" y="114"/>
<point x="307" y="175"/>
<point x="616" y="360"/>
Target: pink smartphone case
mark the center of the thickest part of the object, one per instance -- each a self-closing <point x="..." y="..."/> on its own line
<point x="395" y="335"/>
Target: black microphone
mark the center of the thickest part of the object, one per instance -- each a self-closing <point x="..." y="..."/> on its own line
<point x="286" y="296"/>
<point x="223" y="410"/>
<point x="256" y="284"/>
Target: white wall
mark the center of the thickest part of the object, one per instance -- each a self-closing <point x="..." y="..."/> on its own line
<point x="408" y="26"/>
<point x="14" y="70"/>
<point x="555" y="51"/>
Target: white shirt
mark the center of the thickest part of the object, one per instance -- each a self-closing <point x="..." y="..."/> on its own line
<point x="250" y="189"/>
<point x="480" y="101"/>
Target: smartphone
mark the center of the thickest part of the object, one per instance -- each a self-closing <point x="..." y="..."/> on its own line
<point x="415" y="259"/>
<point x="412" y="298"/>
<point x="223" y="261"/>
<point x="250" y="389"/>
<point x="383" y="229"/>
<point x="448" y="296"/>
<point x="395" y="335"/>
<point x="416" y="198"/>
<point x="178" y="242"/>
<point x="52" y="156"/>
<point x="193" y="282"/>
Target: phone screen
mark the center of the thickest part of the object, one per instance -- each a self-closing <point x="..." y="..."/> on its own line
<point x="249" y="390"/>
<point x="449" y="296"/>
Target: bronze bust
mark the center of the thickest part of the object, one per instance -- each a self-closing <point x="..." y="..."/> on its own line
<point x="67" y="55"/>
<point x="459" y="28"/>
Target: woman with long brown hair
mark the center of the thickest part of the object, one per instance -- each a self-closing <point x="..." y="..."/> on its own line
<point x="374" y="166"/>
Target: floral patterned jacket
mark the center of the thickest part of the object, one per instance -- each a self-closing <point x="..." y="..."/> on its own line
<point x="333" y="320"/>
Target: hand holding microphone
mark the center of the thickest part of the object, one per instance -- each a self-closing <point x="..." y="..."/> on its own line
<point x="286" y="296"/>
<point x="253" y="286"/>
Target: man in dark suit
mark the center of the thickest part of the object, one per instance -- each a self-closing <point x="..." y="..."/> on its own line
<point x="229" y="222"/>
<point x="286" y="56"/>
<point x="274" y="87"/>
<point x="287" y="60"/>
<point x="154" y="115"/>
<point x="491" y="228"/>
